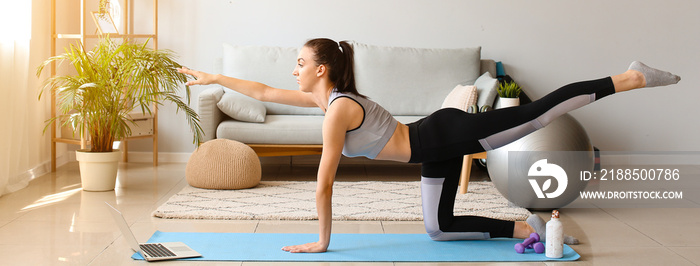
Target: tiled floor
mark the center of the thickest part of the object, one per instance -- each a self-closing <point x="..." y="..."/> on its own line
<point x="54" y="222"/>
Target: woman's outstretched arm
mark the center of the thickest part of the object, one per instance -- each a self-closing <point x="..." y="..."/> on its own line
<point x="253" y="89"/>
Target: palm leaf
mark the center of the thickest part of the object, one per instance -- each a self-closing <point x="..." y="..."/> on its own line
<point x="112" y="80"/>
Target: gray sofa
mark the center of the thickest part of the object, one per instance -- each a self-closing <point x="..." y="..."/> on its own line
<point x="410" y="83"/>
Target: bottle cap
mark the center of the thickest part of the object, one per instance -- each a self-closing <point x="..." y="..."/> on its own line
<point x="555" y="214"/>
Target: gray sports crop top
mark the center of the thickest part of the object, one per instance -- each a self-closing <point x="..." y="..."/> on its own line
<point x="377" y="127"/>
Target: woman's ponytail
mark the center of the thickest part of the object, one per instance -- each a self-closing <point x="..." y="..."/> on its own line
<point x="339" y="57"/>
<point x="348" y="75"/>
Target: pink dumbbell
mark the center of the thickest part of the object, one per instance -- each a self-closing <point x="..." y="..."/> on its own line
<point x="532" y="241"/>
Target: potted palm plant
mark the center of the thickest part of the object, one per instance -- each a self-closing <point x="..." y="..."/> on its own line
<point x="109" y="82"/>
<point x="509" y="92"/>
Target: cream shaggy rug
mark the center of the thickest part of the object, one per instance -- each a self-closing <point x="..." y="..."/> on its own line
<point x="295" y="200"/>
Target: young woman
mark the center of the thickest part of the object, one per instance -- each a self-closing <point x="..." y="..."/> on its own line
<point x="356" y="126"/>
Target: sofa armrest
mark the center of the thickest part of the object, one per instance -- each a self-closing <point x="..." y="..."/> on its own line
<point x="209" y="114"/>
<point x="488" y="65"/>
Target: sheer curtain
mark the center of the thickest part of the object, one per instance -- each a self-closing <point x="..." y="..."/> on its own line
<point x="23" y="146"/>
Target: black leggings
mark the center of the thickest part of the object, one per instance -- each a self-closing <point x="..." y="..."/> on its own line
<point x="440" y="140"/>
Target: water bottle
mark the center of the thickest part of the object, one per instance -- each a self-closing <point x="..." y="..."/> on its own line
<point x="555" y="237"/>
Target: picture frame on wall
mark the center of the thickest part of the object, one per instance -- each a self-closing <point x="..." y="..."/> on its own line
<point x="105" y="23"/>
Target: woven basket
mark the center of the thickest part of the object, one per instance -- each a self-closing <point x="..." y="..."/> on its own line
<point x="223" y="164"/>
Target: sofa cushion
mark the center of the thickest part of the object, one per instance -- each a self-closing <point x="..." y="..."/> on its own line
<point x="486" y="89"/>
<point x="270" y="65"/>
<point x="413" y="81"/>
<point x="242" y="108"/>
<point x="277" y="129"/>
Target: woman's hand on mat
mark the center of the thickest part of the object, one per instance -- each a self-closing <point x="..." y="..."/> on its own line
<point x="314" y="247"/>
<point x="200" y="78"/>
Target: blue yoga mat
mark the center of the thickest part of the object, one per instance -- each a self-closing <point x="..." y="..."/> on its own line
<point x="351" y="247"/>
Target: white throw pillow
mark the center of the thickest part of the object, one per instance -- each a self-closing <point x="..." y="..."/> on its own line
<point x="461" y="97"/>
<point x="242" y="108"/>
<point x="486" y="87"/>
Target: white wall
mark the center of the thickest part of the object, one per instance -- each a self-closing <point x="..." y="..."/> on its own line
<point x="543" y="43"/>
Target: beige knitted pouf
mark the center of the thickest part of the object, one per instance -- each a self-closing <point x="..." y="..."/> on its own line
<point x="223" y="164"/>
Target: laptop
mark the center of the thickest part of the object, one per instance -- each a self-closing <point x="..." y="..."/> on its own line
<point x="152" y="251"/>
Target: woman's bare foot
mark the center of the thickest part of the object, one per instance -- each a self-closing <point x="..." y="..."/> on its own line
<point x="522" y="230"/>
<point x="630" y="80"/>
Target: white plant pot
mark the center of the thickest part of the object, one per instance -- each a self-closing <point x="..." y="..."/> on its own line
<point x="509" y="102"/>
<point x="98" y="170"/>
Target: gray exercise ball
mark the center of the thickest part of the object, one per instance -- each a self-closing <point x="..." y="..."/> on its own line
<point x="561" y="145"/>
